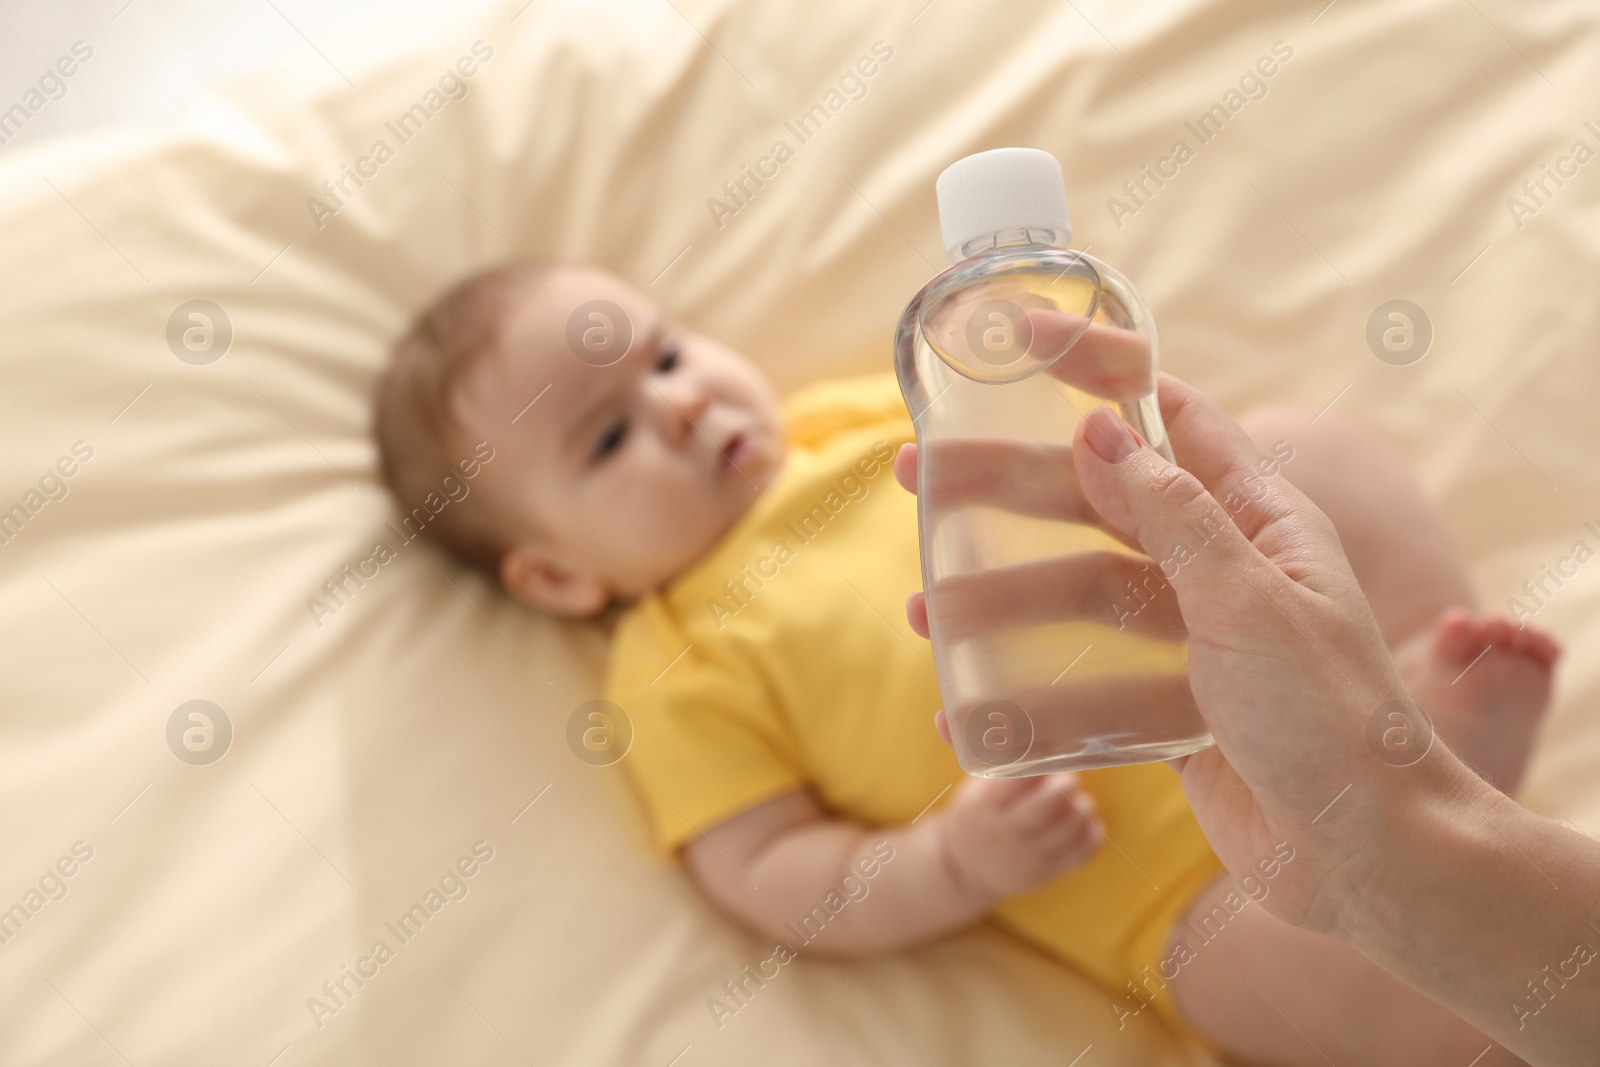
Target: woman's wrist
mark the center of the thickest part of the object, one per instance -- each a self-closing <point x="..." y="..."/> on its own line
<point x="1424" y="833"/>
<point x="1460" y="875"/>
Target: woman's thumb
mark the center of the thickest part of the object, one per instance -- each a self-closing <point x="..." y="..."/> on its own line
<point x="1166" y="509"/>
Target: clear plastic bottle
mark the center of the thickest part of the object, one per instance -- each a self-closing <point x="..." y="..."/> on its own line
<point x="1058" y="646"/>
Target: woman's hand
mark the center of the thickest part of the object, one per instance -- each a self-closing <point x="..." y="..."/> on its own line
<point x="1400" y="850"/>
<point x="1286" y="661"/>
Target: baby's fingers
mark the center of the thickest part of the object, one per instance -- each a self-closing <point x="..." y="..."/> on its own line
<point x="993" y="800"/>
<point x="1080" y="831"/>
<point x="1058" y="803"/>
<point x="1082" y="840"/>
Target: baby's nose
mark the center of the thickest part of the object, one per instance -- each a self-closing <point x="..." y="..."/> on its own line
<point x="686" y="401"/>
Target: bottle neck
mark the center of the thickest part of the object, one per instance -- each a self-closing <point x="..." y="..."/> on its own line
<point x="1016" y="237"/>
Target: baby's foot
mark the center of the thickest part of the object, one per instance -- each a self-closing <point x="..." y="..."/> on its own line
<point x="1485" y="683"/>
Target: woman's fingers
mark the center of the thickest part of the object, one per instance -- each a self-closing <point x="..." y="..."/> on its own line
<point x="1105" y="361"/>
<point x="917" y="613"/>
<point x="905" y="468"/>
<point x="1126" y="592"/>
<point x="1217" y="518"/>
<point x="1165" y="508"/>
<point x="1019" y="476"/>
<point x="1000" y="728"/>
<point x="1229" y="513"/>
<point x="1000" y="334"/>
<point x="1112" y="589"/>
<point x="1022" y="477"/>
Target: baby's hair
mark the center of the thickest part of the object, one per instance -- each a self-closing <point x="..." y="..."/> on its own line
<point x="420" y="441"/>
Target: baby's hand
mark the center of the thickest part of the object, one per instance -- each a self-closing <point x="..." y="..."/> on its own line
<point x="1003" y="836"/>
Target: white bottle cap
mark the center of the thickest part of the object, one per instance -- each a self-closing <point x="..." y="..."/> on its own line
<point x="1001" y="189"/>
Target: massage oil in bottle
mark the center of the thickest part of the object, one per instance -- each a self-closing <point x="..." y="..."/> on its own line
<point x="1057" y="645"/>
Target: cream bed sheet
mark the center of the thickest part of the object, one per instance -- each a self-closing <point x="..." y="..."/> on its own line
<point x="374" y="747"/>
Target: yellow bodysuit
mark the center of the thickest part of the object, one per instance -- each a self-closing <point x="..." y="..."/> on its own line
<point x="782" y="660"/>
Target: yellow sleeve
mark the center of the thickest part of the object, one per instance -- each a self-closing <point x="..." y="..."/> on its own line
<point x="709" y="741"/>
<point x="823" y="410"/>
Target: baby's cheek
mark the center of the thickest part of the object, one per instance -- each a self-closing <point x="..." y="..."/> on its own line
<point x="667" y="510"/>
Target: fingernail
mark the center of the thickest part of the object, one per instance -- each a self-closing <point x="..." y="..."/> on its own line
<point x="1109" y="436"/>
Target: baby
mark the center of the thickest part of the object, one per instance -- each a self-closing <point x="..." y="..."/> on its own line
<point x="757" y="562"/>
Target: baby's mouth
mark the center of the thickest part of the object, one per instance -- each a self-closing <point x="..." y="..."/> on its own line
<point x="738" y="454"/>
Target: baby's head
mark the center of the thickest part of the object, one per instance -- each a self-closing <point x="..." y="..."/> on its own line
<point x="623" y="444"/>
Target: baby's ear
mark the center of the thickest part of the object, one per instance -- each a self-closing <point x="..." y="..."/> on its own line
<point x="532" y="575"/>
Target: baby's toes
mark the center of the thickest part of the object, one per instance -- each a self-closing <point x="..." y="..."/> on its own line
<point x="1458" y="635"/>
<point x="1501" y="631"/>
<point x="1538" y="646"/>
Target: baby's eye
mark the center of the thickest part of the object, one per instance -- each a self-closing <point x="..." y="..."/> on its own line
<point x="612" y="439"/>
<point x="668" y="358"/>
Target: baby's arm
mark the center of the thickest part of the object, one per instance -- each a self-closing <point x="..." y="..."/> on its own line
<point x="774" y="864"/>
